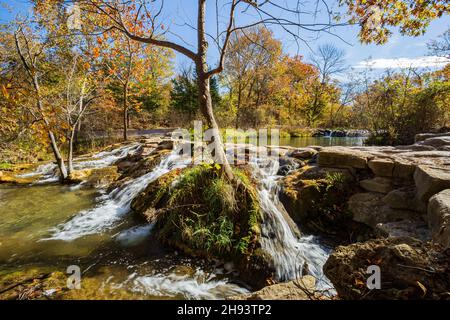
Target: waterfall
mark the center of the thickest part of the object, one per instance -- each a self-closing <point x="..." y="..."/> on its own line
<point x="115" y="205"/>
<point x="291" y="254"/>
<point x="49" y="172"/>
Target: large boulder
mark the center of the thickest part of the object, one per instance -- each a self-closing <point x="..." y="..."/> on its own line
<point x="409" y="269"/>
<point x="439" y="217"/>
<point x="405" y="198"/>
<point x="315" y="198"/>
<point x="431" y="180"/>
<point x="200" y="213"/>
<point x="369" y="208"/>
<point x="301" y="289"/>
<point x="343" y="157"/>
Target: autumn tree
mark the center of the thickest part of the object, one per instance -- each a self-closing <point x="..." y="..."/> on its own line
<point x="143" y="21"/>
<point x="134" y="67"/>
<point x="329" y="61"/>
<point x="31" y="54"/>
<point x="248" y="69"/>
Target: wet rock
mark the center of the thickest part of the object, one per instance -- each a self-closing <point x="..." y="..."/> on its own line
<point x="343" y="157"/>
<point x="404" y="198"/>
<point x="301" y="289"/>
<point x="409" y="269"/>
<point x="96" y="177"/>
<point x="377" y="184"/>
<point x="152" y="197"/>
<point x="439" y="217"/>
<point x="370" y="209"/>
<point x="288" y="164"/>
<point x="431" y="180"/>
<point x="382" y="167"/>
<point x="302" y="153"/>
<point x="417" y="229"/>
<point x="12" y="178"/>
<point x="165" y="145"/>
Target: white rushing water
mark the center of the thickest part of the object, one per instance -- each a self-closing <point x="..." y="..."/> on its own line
<point x="134" y="235"/>
<point x="197" y="286"/>
<point x="115" y="205"/>
<point x="49" y="172"/>
<point x="291" y="254"/>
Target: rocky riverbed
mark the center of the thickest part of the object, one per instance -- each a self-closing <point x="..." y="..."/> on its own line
<point x="383" y="206"/>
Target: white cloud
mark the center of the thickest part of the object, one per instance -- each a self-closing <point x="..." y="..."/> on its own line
<point x="398" y="63"/>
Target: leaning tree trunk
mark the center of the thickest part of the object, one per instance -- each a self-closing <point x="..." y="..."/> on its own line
<point x="204" y="92"/>
<point x="205" y="102"/>
<point x="58" y="157"/>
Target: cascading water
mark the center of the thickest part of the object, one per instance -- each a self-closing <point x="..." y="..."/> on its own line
<point x="114" y="205"/>
<point x="49" y="172"/>
<point x="197" y="286"/>
<point x="291" y="254"/>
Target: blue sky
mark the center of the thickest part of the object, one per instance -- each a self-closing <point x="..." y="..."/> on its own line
<point x="400" y="50"/>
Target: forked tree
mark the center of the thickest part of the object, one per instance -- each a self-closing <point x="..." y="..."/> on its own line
<point x="148" y="21"/>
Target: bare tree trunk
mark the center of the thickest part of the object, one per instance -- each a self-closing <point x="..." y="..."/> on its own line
<point x="58" y="157"/>
<point x="70" y="153"/>
<point x="125" y="113"/>
<point x="204" y="92"/>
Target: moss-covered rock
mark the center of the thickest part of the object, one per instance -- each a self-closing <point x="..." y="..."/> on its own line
<point x="96" y="177"/>
<point x="200" y="212"/>
<point x="316" y="198"/>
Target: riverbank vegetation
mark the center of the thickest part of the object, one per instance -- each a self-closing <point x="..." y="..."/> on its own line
<point x="68" y="87"/>
<point x="78" y="75"/>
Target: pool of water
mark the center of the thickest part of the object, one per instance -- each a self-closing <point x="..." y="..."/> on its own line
<point x="121" y="262"/>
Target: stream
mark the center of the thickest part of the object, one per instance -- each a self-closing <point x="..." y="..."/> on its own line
<point x="47" y="227"/>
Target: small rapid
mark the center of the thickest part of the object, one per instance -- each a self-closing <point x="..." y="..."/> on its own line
<point x="200" y="285"/>
<point x="293" y="256"/>
<point x="115" y="205"/>
<point x="48" y="172"/>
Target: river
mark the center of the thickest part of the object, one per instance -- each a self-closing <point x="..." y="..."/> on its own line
<point x="48" y="227"/>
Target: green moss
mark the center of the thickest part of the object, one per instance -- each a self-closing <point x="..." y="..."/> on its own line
<point x="6" y="166"/>
<point x="206" y="214"/>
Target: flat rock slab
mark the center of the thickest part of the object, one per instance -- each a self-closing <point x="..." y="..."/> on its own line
<point x="343" y="157"/>
<point x="431" y="180"/>
<point x="424" y="136"/>
<point x="300" y="289"/>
